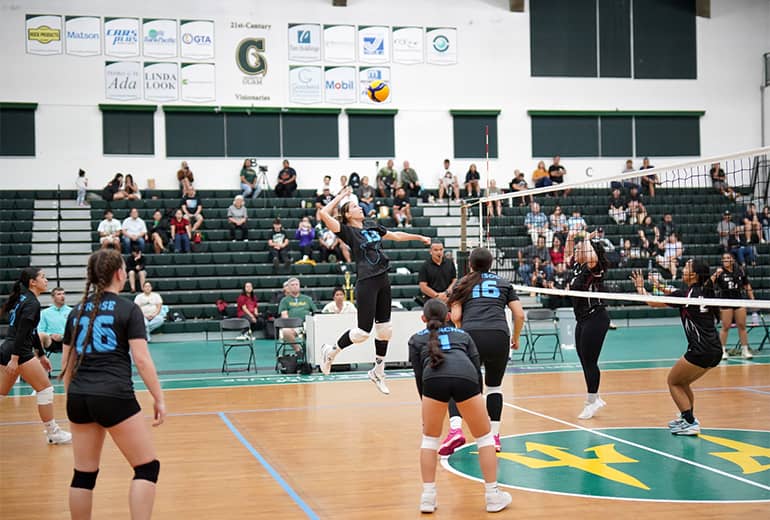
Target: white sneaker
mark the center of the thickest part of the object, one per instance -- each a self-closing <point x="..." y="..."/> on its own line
<point x="497" y="501"/>
<point x="242" y="337"/>
<point x="58" y="436"/>
<point x="428" y="503"/>
<point x="591" y="409"/>
<point x="379" y="381"/>
<point x="676" y="421"/>
<point x="746" y="352"/>
<point x="685" y="428"/>
<point x="328" y="353"/>
<point x="724" y="354"/>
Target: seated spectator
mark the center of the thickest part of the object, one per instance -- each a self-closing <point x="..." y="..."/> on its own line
<point x="109" y="231"/>
<point x="764" y="219"/>
<point x="647" y="237"/>
<point x="180" y="232"/>
<point x="672" y="252"/>
<point x="185" y="177"/>
<point x="627" y="183"/>
<point x="537" y="224"/>
<point x="114" y="189"/>
<point x="134" y="232"/>
<point x="278" y="245"/>
<point x="447" y="184"/>
<point x="339" y="305"/>
<point x="617" y="207"/>
<point x="719" y="181"/>
<point x="636" y="209"/>
<point x="352" y="198"/>
<point x="614" y="257"/>
<point x="248" y="308"/>
<point x="472" y="182"/>
<point x="287" y="181"/>
<point x="249" y="185"/>
<point x="355" y="181"/>
<point x="557" y="172"/>
<point x="366" y="197"/>
<point x="556" y="252"/>
<point x="576" y="225"/>
<point x="558" y="223"/>
<point x="330" y="244"/>
<point x="494" y="206"/>
<point x="402" y="210"/>
<point x="649" y="181"/>
<point x="295" y="305"/>
<point x="193" y="209"/>
<point x="666" y="227"/>
<point x="518" y="183"/>
<point x="559" y="280"/>
<point x="53" y="319"/>
<point x="387" y="179"/>
<point x="135" y="268"/>
<point x="158" y="232"/>
<point x="725" y="229"/>
<point x="742" y="250"/>
<point x="409" y="181"/>
<point x="237" y="219"/>
<point x="326" y="184"/>
<point x="752" y="227"/>
<point x="527" y="257"/>
<point x="151" y="305"/>
<point x="540" y="177"/>
<point x="322" y="200"/>
<point x="540" y="277"/>
<point x="305" y="234"/>
<point x="131" y="189"/>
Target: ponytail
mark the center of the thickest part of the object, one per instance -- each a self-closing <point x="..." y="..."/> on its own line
<point x="27" y="274"/>
<point x="435" y="313"/>
<point x="481" y="262"/>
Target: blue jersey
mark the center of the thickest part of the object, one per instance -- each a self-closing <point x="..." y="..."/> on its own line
<point x="485" y="308"/>
<point x="461" y="357"/>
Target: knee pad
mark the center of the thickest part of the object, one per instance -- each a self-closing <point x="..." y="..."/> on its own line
<point x="45" y="396"/>
<point x="486" y="440"/>
<point x="383" y="331"/>
<point x="358" y="335"/>
<point x="430" y="443"/>
<point x="494" y="390"/>
<point x="84" y="479"/>
<point x="148" y="471"/>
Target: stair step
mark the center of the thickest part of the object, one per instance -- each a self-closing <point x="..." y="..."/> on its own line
<point x="66" y="236"/>
<point x="440" y="210"/>
<point x="66" y="225"/>
<point x="46" y="260"/>
<point x="50" y="248"/>
<point x="71" y="214"/>
<point x="448" y="231"/>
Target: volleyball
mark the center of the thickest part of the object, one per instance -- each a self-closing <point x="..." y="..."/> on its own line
<point x="378" y="91"/>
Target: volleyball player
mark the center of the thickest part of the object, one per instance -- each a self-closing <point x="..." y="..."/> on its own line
<point x="593" y="321"/>
<point x="477" y="305"/>
<point x="704" y="350"/>
<point x="103" y="333"/>
<point x="22" y="353"/>
<point x="447" y="367"/>
<point x="732" y="283"/>
<point x="365" y="238"/>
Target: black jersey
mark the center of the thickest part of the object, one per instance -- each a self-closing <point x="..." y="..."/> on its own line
<point x="461" y="357"/>
<point x="366" y="245"/>
<point x="106" y="367"/>
<point x="23" y="319"/>
<point x="731" y="284"/>
<point x="485" y="308"/>
<point x="698" y="323"/>
<point x="589" y="280"/>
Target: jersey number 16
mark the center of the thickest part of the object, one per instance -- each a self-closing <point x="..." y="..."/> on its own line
<point x="486" y="289"/>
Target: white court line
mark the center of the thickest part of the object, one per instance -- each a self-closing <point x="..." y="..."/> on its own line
<point x="638" y="446"/>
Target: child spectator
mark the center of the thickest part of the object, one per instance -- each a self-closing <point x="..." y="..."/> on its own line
<point x="305" y="234"/>
<point x="82" y="185"/>
<point x="180" y="232"/>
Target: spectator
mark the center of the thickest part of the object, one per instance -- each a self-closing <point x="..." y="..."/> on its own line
<point x="135" y="268"/>
<point x="295" y="305"/>
<point x="82" y="185"/>
<point x="185" y="177"/>
<point x="614" y="258"/>
<point x="352" y="198"/>
<point x="326" y="184"/>
<point x="447" y="184"/>
<point x="248" y="308"/>
<point x="556" y="252"/>
<point x="109" y="231"/>
<point x="617" y="207"/>
<point x="752" y="227"/>
<point x="472" y="181"/>
<point x="527" y="257"/>
<point x="355" y="181"/>
<point x="151" y="305"/>
<point x="305" y="234"/>
<point x="409" y="181"/>
<point x="764" y="219"/>
<point x="493" y="205"/>
<point x="193" y="209"/>
<point x="666" y="227"/>
<point x="627" y="183"/>
<point x="114" y="189"/>
<point x="557" y="172"/>
<point x="339" y="305"/>
<point x="540" y="177"/>
<point x="278" y="245"/>
<point x="540" y="277"/>
<point x="437" y="274"/>
<point x="237" y="218"/>
<point x="287" y="181"/>
<point x="131" y="189"/>
<point x="366" y="197"/>
<point x="647" y="237"/>
<point x="649" y="181"/>
<point x="402" y="211"/>
<point x="330" y="244"/>
<point x="576" y="225"/>
<point x="558" y="223"/>
<point x="249" y="185"/>
<point x="636" y="209"/>
<point x="719" y="181"/>
<point x="559" y="280"/>
<point x="50" y="329"/>
<point x="322" y="200"/>
<point x="180" y="232"/>
<point x="672" y="252"/>
<point x="725" y="228"/>
<point x="387" y="179"/>
<point x="537" y="224"/>
<point x="743" y="251"/>
<point x="134" y="232"/>
<point x="158" y="232"/>
<point x="518" y="183"/>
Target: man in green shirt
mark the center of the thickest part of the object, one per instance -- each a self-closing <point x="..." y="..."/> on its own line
<point x="294" y="305"/>
<point x="386" y="179"/>
<point x="409" y="181"/>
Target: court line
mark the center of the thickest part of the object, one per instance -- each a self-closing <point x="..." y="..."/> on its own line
<point x="754" y="390"/>
<point x="273" y="473"/>
<point x="638" y="446"/>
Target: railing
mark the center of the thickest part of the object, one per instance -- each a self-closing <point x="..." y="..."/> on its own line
<point x="58" y="234"/>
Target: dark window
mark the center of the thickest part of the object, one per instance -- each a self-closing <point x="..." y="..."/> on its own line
<point x="470" y="134"/>
<point x="128" y="132"/>
<point x="253" y="135"/>
<point x="371" y="135"/>
<point x="664" y="39"/>
<point x="17" y="130"/>
<point x="568" y="136"/>
<point x="562" y="37"/>
<point x="310" y="134"/>
<point x="614" y="38"/>
<point x="195" y="134"/>
<point x="617" y="136"/>
<point x="667" y="136"/>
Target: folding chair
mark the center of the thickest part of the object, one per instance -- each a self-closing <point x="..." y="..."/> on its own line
<point x="762" y="326"/>
<point x="541" y="323"/>
<point x="283" y="347"/>
<point x="229" y="343"/>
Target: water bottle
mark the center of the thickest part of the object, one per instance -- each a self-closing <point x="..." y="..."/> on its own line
<point x="302" y="204"/>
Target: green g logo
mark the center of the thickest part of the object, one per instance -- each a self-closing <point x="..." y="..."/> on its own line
<point x="249" y="57"/>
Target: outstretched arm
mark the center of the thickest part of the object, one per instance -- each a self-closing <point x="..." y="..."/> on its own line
<point x="401" y="236"/>
<point x="638" y="279"/>
<point x="326" y="212"/>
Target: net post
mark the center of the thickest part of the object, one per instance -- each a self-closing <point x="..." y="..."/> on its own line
<point x="463" y="228"/>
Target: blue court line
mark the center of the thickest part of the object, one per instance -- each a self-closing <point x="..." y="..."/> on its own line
<point x="748" y="389"/>
<point x="273" y="473"/>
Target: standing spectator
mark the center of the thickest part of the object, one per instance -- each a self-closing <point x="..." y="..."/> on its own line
<point x="249" y="185"/>
<point x="719" y="181"/>
<point x="278" y="245"/>
<point x="617" y="207"/>
<point x="409" y="181"/>
<point x="248" y="307"/>
<point x="180" y="232"/>
<point x="114" y="189"/>
<point x="330" y="244"/>
<point x="764" y="219"/>
<point x="496" y="204"/>
<point x="158" y="232"/>
<point x="472" y="181"/>
<point x="322" y="200"/>
<point x="339" y="305"/>
<point x="151" y="305"/>
<point x="131" y="189"/>
<point x="636" y="209"/>
<point x="193" y="209"/>
<point x="387" y="178"/>
<point x="134" y="232"/>
<point x="109" y="231"/>
<point x="402" y="211"/>
<point x="305" y="234"/>
<point x="752" y="227"/>
<point x="82" y="185"/>
<point x="649" y="181"/>
<point x="518" y="183"/>
<point x="541" y="177"/>
<point x="558" y="223"/>
<point x="186" y="178"/>
<point x="366" y="197"/>
<point x="447" y="184"/>
<point x="666" y="227"/>
<point x="672" y="252"/>
<point x="326" y="184"/>
<point x="527" y="257"/>
<point x="725" y="228"/>
<point x="557" y="172"/>
<point x="295" y="305"/>
<point x="437" y="274"/>
<point x="53" y="321"/>
<point x="135" y="268"/>
<point x="287" y="181"/>
<point x="537" y="224"/>
<point x="237" y="218"/>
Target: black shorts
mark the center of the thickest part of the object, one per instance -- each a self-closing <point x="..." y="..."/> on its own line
<point x="445" y="388"/>
<point x="105" y="411"/>
<point x="6" y="351"/>
<point x="494" y="347"/>
<point x="708" y="359"/>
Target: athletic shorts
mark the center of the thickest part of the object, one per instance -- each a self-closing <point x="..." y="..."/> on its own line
<point x="6" y="351"/>
<point x="104" y="411"/>
<point x="445" y="388"/>
<point x="708" y="359"/>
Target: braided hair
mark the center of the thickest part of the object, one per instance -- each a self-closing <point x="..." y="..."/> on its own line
<point x="435" y="312"/>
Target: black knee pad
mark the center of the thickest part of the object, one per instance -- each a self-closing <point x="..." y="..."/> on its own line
<point x="84" y="479"/>
<point x="148" y="471"/>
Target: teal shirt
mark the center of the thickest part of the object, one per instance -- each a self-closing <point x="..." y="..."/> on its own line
<point x="53" y="319"/>
<point x="297" y="307"/>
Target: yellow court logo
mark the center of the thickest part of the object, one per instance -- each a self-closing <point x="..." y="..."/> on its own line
<point x="44" y="34"/>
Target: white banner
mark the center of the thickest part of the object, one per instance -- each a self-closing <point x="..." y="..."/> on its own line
<point x="368" y="74"/>
<point x="83" y="35"/>
<point x="122" y="80"/>
<point x="441" y="45"/>
<point x="121" y="37"/>
<point x="339" y="43"/>
<point x="43" y="32"/>
<point x="198" y="82"/>
<point x="197" y="39"/>
<point x="305" y="42"/>
<point x="408" y="45"/>
<point x="161" y="81"/>
<point x="305" y="84"/>
<point x="340" y="85"/>
<point x="373" y="44"/>
<point x="159" y="38"/>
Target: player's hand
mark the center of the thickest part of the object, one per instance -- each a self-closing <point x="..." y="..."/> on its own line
<point x="12" y="367"/>
<point x="718" y="272"/>
<point x="637" y="278"/>
<point x="425" y="240"/>
<point x="515" y="344"/>
<point x="45" y="362"/>
<point x="159" y="410"/>
<point x="347" y="190"/>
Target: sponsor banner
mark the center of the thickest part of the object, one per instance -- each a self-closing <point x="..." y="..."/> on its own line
<point x="196" y="40"/>
<point x="305" y="42"/>
<point x="159" y="38"/>
<point x="121" y="37"/>
<point x="373" y="44"/>
<point x="122" y="80"/>
<point x="408" y="45"/>
<point x="441" y="45"/>
<point x="368" y="74"/>
<point x="339" y="43"/>
<point x="305" y="84"/>
<point x="83" y="35"/>
<point x="161" y="81"/>
<point x="340" y="85"/>
<point x="44" y="34"/>
<point x="198" y="82"/>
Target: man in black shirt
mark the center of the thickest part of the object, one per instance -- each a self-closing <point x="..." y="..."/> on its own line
<point x="287" y="181"/>
<point x="437" y="275"/>
<point x="192" y="209"/>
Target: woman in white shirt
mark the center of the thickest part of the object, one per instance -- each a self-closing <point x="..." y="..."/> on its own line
<point x="339" y="305"/>
<point x="672" y="251"/>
